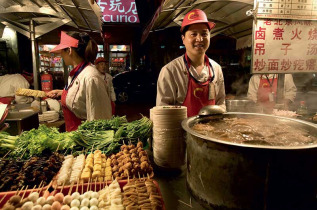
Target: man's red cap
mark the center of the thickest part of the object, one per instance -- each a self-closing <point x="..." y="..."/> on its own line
<point x="66" y="41"/>
<point x="196" y="16"/>
<point x="100" y="59"/>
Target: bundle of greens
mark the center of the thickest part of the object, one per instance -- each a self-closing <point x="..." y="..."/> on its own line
<point x="97" y="139"/>
<point x="93" y="134"/>
<point x="7" y="142"/>
<point x="101" y="125"/>
<point x="33" y="142"/>
<point x="138" y="129"/>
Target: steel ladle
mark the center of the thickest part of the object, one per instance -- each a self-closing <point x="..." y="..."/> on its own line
<point x="211" y="110"/>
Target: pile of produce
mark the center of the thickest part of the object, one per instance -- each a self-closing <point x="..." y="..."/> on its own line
<point x="106" y="135"/>
<point x="34" y="142"/>
<point x="110" y="135"/>
<point x="101" y="125"/>
<point x="7" y="142"/>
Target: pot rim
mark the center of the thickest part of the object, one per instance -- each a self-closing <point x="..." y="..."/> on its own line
<point x="186" y="122"/>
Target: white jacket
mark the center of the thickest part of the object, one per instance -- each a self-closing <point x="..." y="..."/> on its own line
<point x="9" y="83"/>
<point x="172" y="83"/>
<point x="87" y="98"/>
<point x="289" y="87"/>
<point x="110" y="89"/>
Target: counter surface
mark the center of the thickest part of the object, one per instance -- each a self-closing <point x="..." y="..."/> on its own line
<point x="174" y="190"/>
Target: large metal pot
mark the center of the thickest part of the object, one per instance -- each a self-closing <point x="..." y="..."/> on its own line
<point x="240" y="106"/>
<point x="225" y="175"/>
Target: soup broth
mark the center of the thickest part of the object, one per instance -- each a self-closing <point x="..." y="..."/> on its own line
<point x="255" y="131"/>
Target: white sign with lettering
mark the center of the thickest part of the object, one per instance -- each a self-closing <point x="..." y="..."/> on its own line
<point x="284" y="46"/>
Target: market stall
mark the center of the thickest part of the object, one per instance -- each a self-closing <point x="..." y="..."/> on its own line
<point x="102" y="164"/>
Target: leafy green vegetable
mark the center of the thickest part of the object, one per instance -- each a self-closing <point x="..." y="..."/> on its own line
<point x="33" y="142"/>
<point x="101" y="125"/>
<point x="95" y="139"/>
<point x="140" y="129"/>
<point x="106" y="135"/>
<point x="109" y="135"/>
<point x="7" y="142"/>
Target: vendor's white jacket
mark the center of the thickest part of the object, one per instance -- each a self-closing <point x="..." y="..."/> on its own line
<point x="88" y="97"/>
<point x="289" y="87"/>
<point x="172" y="83"/>
<point x="9" y="83"/>
<point x="110" y="89"/>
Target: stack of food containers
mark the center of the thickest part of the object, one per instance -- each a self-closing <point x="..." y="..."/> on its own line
<point x="168" y="136"/>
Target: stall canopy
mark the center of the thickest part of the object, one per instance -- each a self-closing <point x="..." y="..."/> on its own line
<point x="49" y="15"/>
<point x="34" y="18"/>
<point x="229" y="15"/>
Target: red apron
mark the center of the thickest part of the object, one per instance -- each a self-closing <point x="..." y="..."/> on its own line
<point x="71" y="120"/>
<point x="197" y="95"/>
<point x="113" y="107"/>
<point x="266" y="87"/>
<point x="6" y="100"/>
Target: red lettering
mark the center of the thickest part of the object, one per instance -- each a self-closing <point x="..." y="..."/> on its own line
<point x="286" y="64"/>
<point x="259" y="65"/>
<point x="259" y="48"/>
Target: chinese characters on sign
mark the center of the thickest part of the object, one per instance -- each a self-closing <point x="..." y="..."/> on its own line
<point x="287" y="9"/>
<point x="118" y="11"/>
<point x="284" y="46"/>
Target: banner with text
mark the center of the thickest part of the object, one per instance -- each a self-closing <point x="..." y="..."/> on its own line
<point x="118" y="11"/>
<point x="284" y="46"/>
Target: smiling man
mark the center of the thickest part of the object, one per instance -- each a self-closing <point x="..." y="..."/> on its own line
<point x="192" y="80"/>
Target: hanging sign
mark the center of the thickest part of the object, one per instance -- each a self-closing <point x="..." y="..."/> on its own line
<point x="286" y="9"/>
<point x="284" y="46"/>
<point x="118" y="11"/>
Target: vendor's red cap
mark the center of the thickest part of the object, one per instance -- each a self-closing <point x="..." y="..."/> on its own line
<point x="100" y="59"/>
<point x="66" y="41"/>
<point x="196" y="16"/>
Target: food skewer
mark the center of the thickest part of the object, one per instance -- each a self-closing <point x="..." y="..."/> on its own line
<point x="34" y="196"/>
<point x="41" y="188"/>
<point x="82" y="187"/>
<point x="46" y="193"/>
<point x="88" y="186"/>
<point x="3" y="198"/>
<point x="41" y="200"/>
<point x="26" y="203"/>
<point x="65" y="153"/>
<point x="139" y="176"/>
<point x="75" y="197"/>
<point x="18" y="192"/>
<point x="68" y="198"/>
<point x="71" y="188"/>
<point x="59" y="197"/>
<point x="23" y="154"/>
<point x="96" y="184"/>
<point x="25" y="191"/>
<point x="58" y="146"/>
<point x="33" y="188"/>
<point x="14" y="200"/>
<point x="6" y="154"/>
